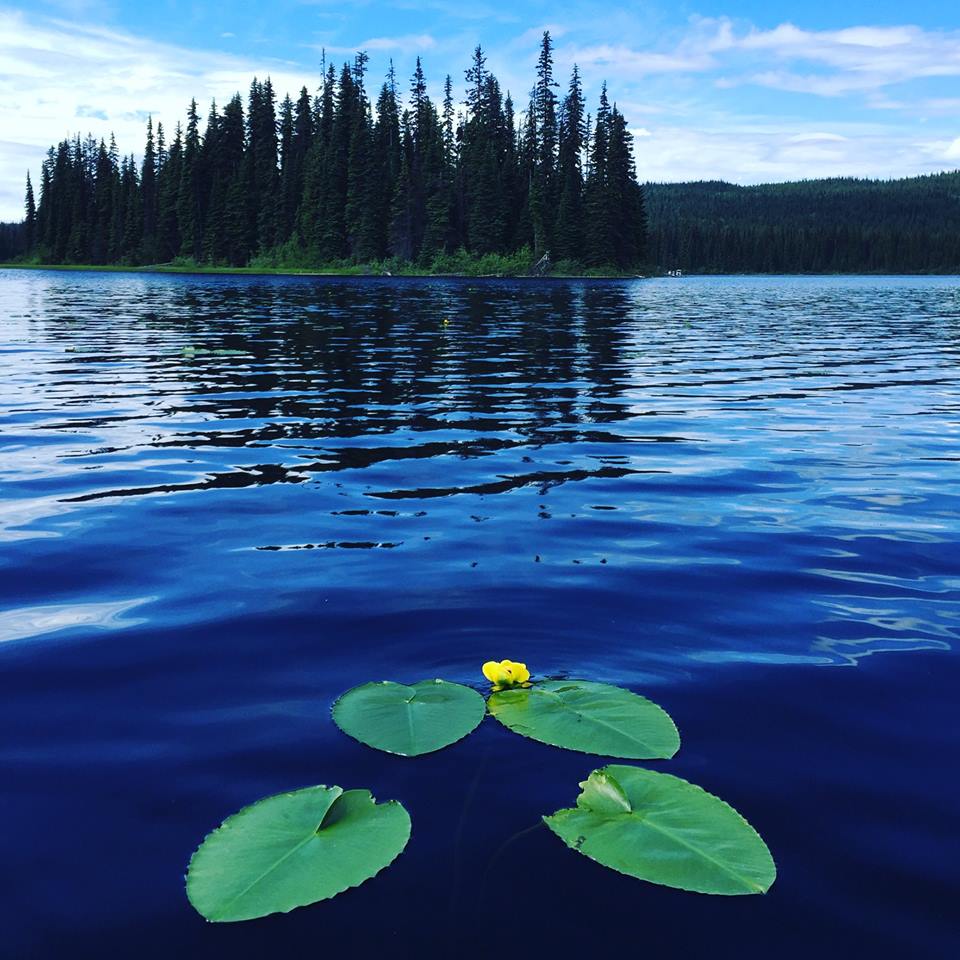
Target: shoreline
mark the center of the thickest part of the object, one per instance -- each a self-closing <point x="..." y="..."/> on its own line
<point x="357" y="274"/>
<point x="294" y="272"/>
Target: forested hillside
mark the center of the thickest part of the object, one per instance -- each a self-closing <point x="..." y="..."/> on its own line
<point x="811" y="226"/>
<point x="335" y="179"/>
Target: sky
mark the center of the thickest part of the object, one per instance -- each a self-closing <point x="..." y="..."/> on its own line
<point x="740" y="90"/>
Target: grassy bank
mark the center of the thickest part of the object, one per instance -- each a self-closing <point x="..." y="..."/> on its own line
<point x="448" y="266"/>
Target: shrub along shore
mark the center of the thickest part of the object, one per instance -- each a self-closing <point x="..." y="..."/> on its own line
<point x="490" y="266"/>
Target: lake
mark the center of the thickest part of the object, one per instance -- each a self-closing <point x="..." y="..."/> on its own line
<point x="225" y="500"/>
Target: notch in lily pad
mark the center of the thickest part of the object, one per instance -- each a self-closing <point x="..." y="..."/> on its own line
<point x="293" y="849"/>
<point x="589" y="717"/>
<point x="409" y="720"/>
<point x="666" y="830"/>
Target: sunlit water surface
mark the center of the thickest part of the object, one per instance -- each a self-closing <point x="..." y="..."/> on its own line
<point x="226" y="500"/>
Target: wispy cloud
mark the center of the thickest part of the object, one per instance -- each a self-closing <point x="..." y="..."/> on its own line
<point x="691" y="94"/>
<point x="821" y="62"/>
<point x="952" y="150"/>
<point x="758" y="152"/>
<point x="57" y="79"/>
<point x="406" y="43"/>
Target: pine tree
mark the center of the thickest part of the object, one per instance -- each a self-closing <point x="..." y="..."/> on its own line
<point x="117" y="213"/>
<point x="310" y="213"/>
<point x="45" y="212"/>
<point x="449" y="115"/>
<point x="387" y="160"/>
<point x="333" y="232"/>
<point x="131" y="211"/>
<point x="362" y="234"/>
<point x="422" y="167"/>
<point x="150" y="197"/>
<point x="214" y="169"/>
<point x="168" y="228"/>
<point x="105" y="196"/>
<point x="231" y="222"/>
<point x="263" y="175"/>
<point x="188" y="192"/>
<point x="625" y="197"/>
<point x="568" y="239"/>
<point x="30" y="218"/>
<point x="289" y="194"/>
<point x="543" y="200"/>
<point x="512" y="181"/>
<point x="402" y="238"/>
<point x="161" y="149"/>
<point x="599" y="241"/>
<point x="482" y="200"/>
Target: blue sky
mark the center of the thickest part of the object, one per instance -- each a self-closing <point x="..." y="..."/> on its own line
<point x="733" y="89"/>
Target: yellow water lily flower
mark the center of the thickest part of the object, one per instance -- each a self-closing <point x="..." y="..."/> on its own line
<point x="506" y="673"/>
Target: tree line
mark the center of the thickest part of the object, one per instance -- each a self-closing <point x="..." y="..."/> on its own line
<point x="334" y="179"/>
<point x="840" y="225"/>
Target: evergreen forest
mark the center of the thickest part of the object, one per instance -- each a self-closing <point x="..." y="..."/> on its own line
<point x="840" y="225"/>
<point x="335" y="180"/>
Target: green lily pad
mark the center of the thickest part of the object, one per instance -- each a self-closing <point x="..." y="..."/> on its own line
<point x="409" y="720"/>
<point x="293" y="849"/>
<point x="589" y="717"/>
<point x="665" y="830"/>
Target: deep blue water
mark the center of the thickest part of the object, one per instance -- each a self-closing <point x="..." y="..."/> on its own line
<point x="737" y="496"/>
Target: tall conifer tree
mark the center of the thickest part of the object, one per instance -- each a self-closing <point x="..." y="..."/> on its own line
<point x="30" y="216"/>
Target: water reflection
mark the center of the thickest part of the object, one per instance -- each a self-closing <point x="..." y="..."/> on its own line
<point x="19" y="624"/>
<point x="787" y="436"/>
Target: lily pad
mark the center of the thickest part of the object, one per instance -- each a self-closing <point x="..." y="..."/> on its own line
<point x="409" y="720"/>
<point x="293" y="849"/>
<point x="663" y="829"/>
<point x="589" y="717"/>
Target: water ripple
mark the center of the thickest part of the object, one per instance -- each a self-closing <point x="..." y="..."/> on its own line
<point x="716" y="490"/>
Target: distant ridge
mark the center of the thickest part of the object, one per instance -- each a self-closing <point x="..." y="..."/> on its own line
<point x="836" y="225"/>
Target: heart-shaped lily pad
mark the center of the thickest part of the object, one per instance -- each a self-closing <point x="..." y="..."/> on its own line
<point x="590" y="717"/>
<point x="409" y="720"/>
<point x="660" y="828"/>
<point x="293" y="849"/>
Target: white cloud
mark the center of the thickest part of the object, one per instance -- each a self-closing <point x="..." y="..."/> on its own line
<point x="817" y="137"/>
<point x="837" y="61"/>
<point x="57" y="79"/>
<point x="952" y="151"/>
<point x="408" y="43"/>
<point x="769" y="152"/>
<point x="639" y="63"/>
<point x="941" y="105"/>
<point x="687" y="93"/>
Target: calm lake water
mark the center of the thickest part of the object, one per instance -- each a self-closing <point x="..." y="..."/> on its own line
<point x="226" y="500"/>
